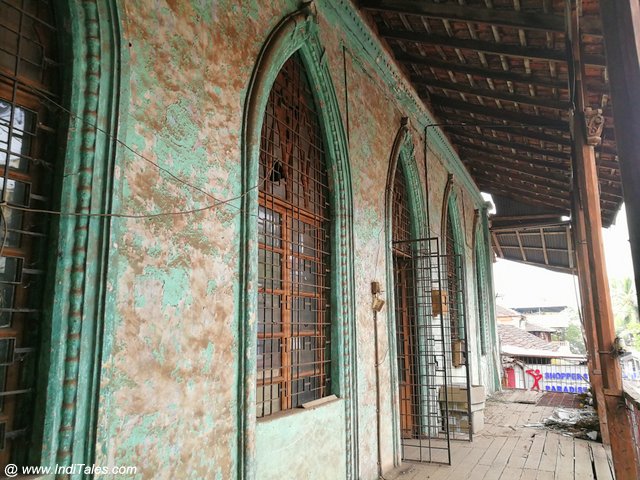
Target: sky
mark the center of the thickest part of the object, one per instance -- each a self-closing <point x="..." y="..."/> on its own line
<point x="519" y="285"/>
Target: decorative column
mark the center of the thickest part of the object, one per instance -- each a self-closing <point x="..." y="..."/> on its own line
<point x="588" y="316"/>
<point x="586" y="128"/>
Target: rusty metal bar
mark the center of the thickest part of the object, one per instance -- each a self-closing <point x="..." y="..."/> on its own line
<point x="294" y="322"/>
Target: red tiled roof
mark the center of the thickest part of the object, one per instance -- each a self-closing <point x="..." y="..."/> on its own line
<point x="516" y="337"/>
<point x="506" y="312"/>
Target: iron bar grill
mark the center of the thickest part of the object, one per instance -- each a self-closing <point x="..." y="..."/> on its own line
<point x="294" y="322"/>
<point x="27" y="156"/>
<point x="429" y="385"/>
<point x="434" y="393"/>
<point x="452" y="297"/>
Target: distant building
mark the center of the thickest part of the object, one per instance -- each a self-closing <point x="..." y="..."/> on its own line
<point x="547" y="320"/>
<point x="531" y="363"/>
<point x="539" y="331"/>
<point x="517" y="342"/>
<point x="506" y="316"/>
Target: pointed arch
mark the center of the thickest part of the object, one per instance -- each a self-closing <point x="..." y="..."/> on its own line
<point x="297" y="33"/>
<point x="452" y="246"/>
<point x="401" y="162"/>
<point x="451" y="215"/>
<point x="484" y="279"/>
<point x="480" y="277"/>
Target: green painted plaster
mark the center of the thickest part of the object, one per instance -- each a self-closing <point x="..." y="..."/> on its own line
<point x="75" y="323"/>
<point x="298" y="33"/>
<point x="377" y="57"/>
<point x="402" y="162"/>
<point x="303" y="444"/>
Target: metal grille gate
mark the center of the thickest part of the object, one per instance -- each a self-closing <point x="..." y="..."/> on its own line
<point x="432" y="365"/>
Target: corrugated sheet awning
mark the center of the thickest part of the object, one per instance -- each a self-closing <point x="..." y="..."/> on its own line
<point x="543" y="245"/>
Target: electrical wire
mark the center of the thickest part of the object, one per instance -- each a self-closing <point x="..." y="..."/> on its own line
<point x="217" y="202"/>
<point x="83" y="120"/>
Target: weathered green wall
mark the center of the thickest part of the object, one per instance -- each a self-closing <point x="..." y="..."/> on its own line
<point x="169" y="385"/>
<point x="302" y="445"/>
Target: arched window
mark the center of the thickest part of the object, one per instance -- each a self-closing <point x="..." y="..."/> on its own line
<point x="294" y="321"/>
<point x="455" y="294"/>
<point x="403" y="273"/>
<point x="481" y="292"/>
<point x="28" y="76"/>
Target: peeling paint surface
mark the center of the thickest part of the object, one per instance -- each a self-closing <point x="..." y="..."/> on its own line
<point x="305" y="442"/>
<point x="168" y="393"/>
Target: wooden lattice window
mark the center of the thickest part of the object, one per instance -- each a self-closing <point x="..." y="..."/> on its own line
<point x="28" y="75"/>
<point x="294" y="323"/>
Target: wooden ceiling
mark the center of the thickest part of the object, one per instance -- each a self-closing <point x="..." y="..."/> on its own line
<point x="497" y="73"/>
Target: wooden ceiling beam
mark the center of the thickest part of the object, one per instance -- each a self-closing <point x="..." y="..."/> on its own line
<point x="524" y="196"/>
<point x="508" y="76"/>
<point x="607" y="164"/>
<point x="500" y="114"/>
<point x="517" y="131"/>
<point x="556" y="195"/>
<point x="551" y="180"/>
<point x="520" y="132"/>
<point x="519" y="195"/>
<point x="612" y="193"/>
<point x="425" y="38"/>
<point x="529" y="247"/>
<point x="524" y="164"/>
<point x="561" y="167"/>
<point x="510" y="145"/>
<point x="536" y="151"/>
<point x="495" y="94"/>
<point x="522" y="252"/>
<point x="496" y="244"/>
<point x="534" y="187"/>
<point x="558" y="174"/>
<point x="466" y="13"/>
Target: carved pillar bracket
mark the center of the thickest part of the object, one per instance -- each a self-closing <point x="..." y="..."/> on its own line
<point x="594" y="123"/>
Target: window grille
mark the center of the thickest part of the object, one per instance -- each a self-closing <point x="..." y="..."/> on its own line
<point x="453" y="268"/>
<point x="28" y="73"/>
<point x="422" y="339"/>
<point x="481" y="287"/>
<point x="404" y="296"/>
<point x="294" y="322"/>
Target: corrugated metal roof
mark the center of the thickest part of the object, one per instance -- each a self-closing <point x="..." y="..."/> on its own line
<point x="548" y="246"/>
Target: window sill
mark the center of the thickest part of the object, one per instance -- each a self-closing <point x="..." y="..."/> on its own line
<point x="309" y="406"/>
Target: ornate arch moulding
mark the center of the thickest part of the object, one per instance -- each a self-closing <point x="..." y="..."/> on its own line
<point x="76" y="329"/>
<point x="402" y="158"/>
<point x="343" y="13"/>
<point x="297" y="32"/>
<point x="446" y="197"/>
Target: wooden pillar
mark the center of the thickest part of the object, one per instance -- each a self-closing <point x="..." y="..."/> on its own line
<point x="621" y="28"/>
<point x="586" y="127"/>
<point x="599" y="303"/>
<point x="588" y="317"/>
